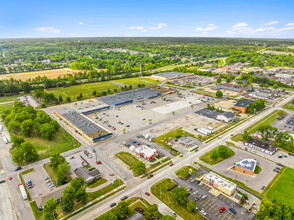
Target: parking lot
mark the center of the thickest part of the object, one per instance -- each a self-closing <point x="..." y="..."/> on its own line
<point x="286" y="123"/>
<point x="40" y="185"/>
<point x="212" y="204"/>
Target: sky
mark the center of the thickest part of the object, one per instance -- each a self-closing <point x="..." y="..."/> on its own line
<point x="121" y="18"/>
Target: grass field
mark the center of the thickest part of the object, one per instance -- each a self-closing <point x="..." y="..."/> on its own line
<point x="267" y="120"/>
<point x="289" y="106"/>
<point x="96" y="183"/>
<point x="177" y="133"/>
<point x="88" y="88"/>
<point x="9" y="98"/>
<point x="127" y="158"/>
<point x="282" y="189"/>
<point x="257" y="169"/>
<point x="50" y="74"/>
<point x="5" y="107"/>
<point x="236" y="137"/>
<point x="160" y="191"/>
<point x="184" y="172"/>
<point x="206" y="157"/>
<point x="62" y="142"/>
<point x="51" y="173"/>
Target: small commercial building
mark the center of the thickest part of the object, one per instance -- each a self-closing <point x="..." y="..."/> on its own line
<point x="146" y="152"/>
<point x="261" y="146"/>
<point x="88" y="176"/>
<point x="246" y="166"/>
<point x="221" y="116"/>
<point x="228" y="86"/>
<point x="82" y="125"/>
<point x="89" y="107"/>
<point x="220" y="183"/>
<point x="260" y="95"/>
<point x="56" y="193"/>
<point x="189" y="141"/>
<point x="165" y="76"/>
<point x="242" y="105"/>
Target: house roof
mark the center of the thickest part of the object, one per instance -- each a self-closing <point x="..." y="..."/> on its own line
<point x="248" y="164"/>
<point x="213" y="114"/>
<point x="244" y="103"/>
<point x="86" y="174"/>
<point x="57" y="193"/>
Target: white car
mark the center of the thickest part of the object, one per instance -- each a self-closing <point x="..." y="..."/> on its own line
<point x="202" y="212"/>
<point x="172" y="213"/>
<point x="195" y="192"/>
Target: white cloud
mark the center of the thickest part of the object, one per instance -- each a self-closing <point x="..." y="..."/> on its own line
<point x="136" y="28"/>
<point x="286" y="28"/>
<point x="210" y="27"/>
<point x="159" y="26"/>
<point x="271" y="23"/>
<point x="144" y="30"/>
<point x="48" y="30"/>
<point x="264" y="29"/>
<point x="290" y="24"/>
<point x="81" y="23"/>
<point x="240" y="26"/>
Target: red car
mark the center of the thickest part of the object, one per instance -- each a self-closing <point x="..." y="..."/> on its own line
<point x="99" y="162"/>
<point x="10" y="178"/>
<point x="171" y="164"/>
<point x="222" y="209"/>
<point x="147" y="193"/>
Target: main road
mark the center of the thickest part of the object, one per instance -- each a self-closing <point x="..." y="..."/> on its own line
<point x="135" y="188"/>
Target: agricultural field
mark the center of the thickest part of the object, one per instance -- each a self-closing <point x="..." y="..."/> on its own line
<point x="50" y="74"/>
<point x="88" y="88"/>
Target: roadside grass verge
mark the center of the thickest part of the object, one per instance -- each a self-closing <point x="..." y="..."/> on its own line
<point x="257" y="169"/>
<point x="184" y="172"/>
<point x="5" y="107"/>
<point x="127" y="158"/>
<point x="160" y="190"/>
<point x="96" y="183"/>
<point x="207" y="157"/>
<point x="267" y="120"/>
<point x="236" y="137"/>
<point x="289" y="106"/>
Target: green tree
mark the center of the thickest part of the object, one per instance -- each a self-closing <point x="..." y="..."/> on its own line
<point x="139" y="167"/>
<point x="180" y="195"/>
<point x="219" y="80"/>
<point x="25" y="153"/>
<point x="49" y="212"/>
<point x="62" y="173"/>
<point x="94" y="93"/>
<point x="245" y="136"/>
<point x="214" y="155"/>
<point x="56" y="160"/>
<point x="219" y="94"/>
<point x="191" y="206"/>
<point x="68" y="199"/>
<point x="122" y="210"/>
<point x="47" y="131"/>
<point x="152" y="213"/>
<point x="68" y="100"/>
<point x="109" y="216"/>
<point x="43" y="105"/>
<point x="60" y="99"/>
<point x="223" y="151"/>
<point x="26" y="127"/>
<point x="81" y="195"/>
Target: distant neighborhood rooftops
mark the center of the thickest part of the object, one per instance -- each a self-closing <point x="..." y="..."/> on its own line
<point x="248" y="164"/>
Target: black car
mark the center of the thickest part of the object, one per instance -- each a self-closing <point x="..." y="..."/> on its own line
<point x="277" y="171"/>
<point x="196" y="198"/>
<point x="2" y="181"/>
<point x="112" y="204"/>
<point x="151" y="175"/>
<point x="263" y="188"/>
<point x="197" y="181"/>
<point x="233" y="210"/>
<point x="18" y="168"/>
<point x="279" y="164"/>
<point x="123" y="198"/>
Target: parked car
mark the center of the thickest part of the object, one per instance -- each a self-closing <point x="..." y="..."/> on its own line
<point x="203" y="212"/>
<point x="279" y="164"/>
<point x="147" y="193"/>
<point x="233" y="210"/>
<point x="29" y="187"/>
<point x="10" y="178"/>
<point x="222" y="209"/>
<point x="112" y="204"/>
<point x="197" y="181"/>
<point x="190" y="189"/>
<point x="195" y="192"/>
<point x="197" y="198"/>
<point x="201" y="183"/>
<point x="150" y="176"/>
<point x="171" y="164"/>
<point x="204" y="197"/>
<point x="99" y="162"/>
<point x="2" y="181"/>
<point x="263" y="188"/>
<point x="46" y="178"/>
<point x="196" y="150"/>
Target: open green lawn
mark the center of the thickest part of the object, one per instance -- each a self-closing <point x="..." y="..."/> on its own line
<point x="51" y="173"/>
<point x="206" y="157"/>
<point x="160" y="191"/>
<point x="62" y="142"/>
<point x="257" y="169"/>
<point x="127" y="158"/>
<point x="88" y="88"/>
<point x="184" y="172"/>
<point x="236" y="137"/>
<point x="6" y="107"/>
<point x="9" y="98"/>
<point x="177" y="133"/>
<point x="289" y="106"/>
<point x="267" y="120"/>
<point x="97" y="182"/>
<point x="282" y="188"/>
